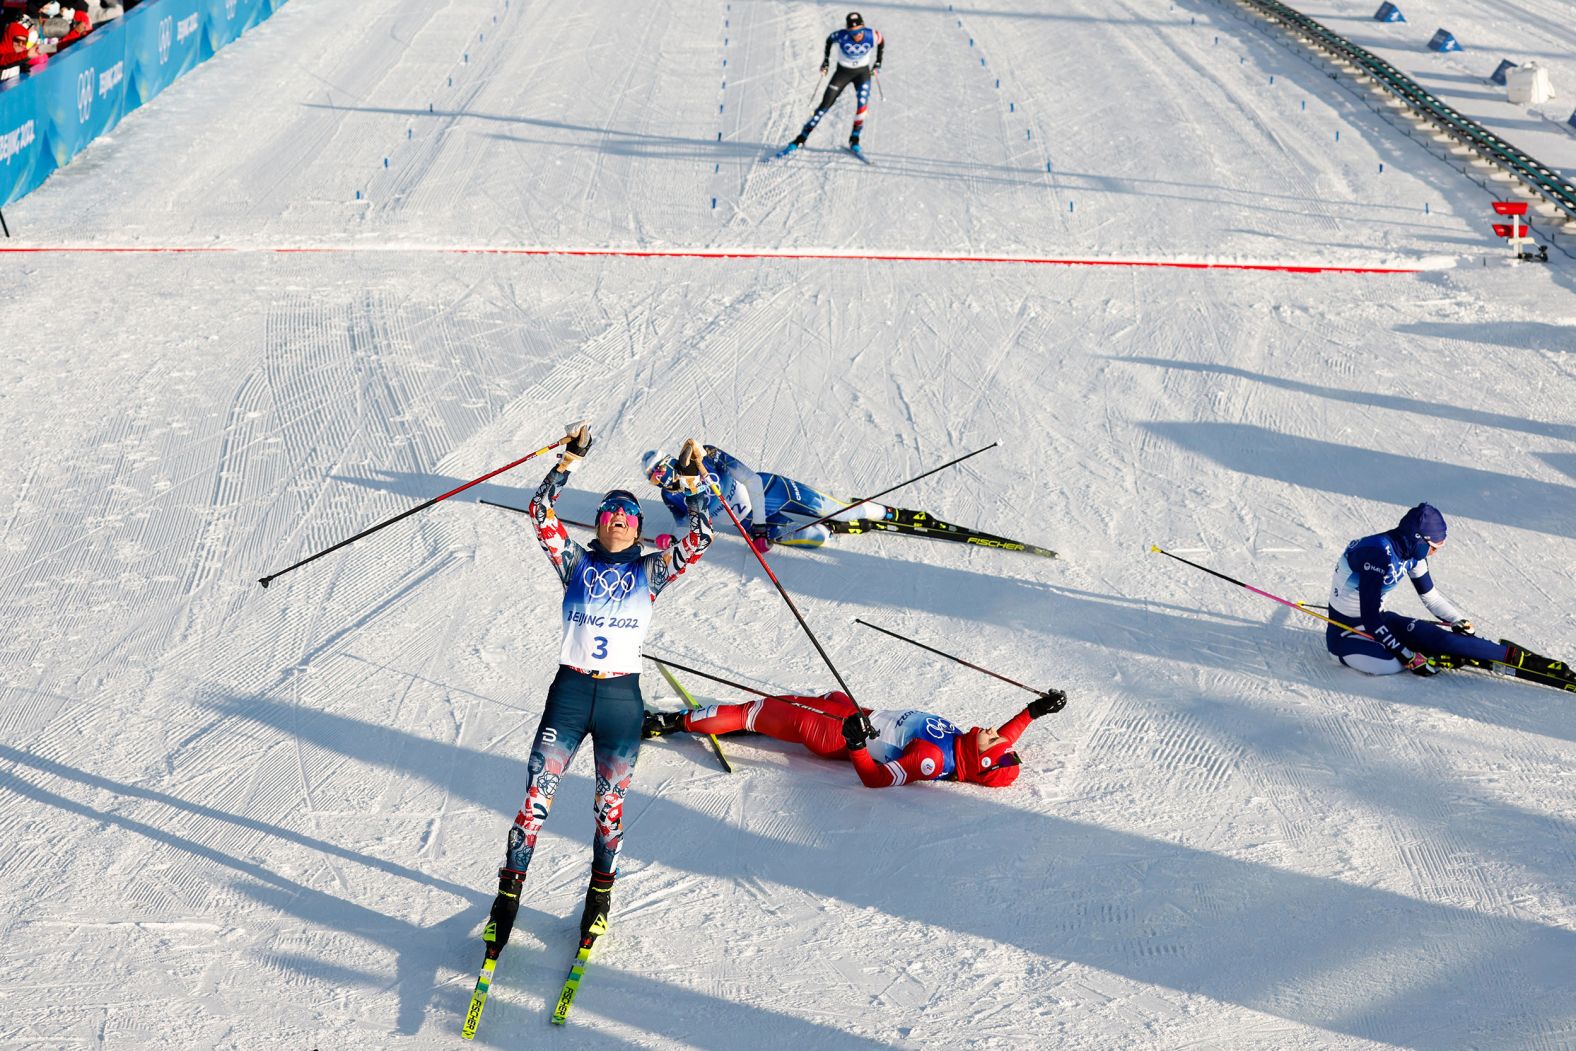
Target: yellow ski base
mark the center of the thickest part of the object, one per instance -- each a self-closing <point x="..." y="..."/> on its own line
<point x="566" y="998"/>
<point x="473" y="1016"/>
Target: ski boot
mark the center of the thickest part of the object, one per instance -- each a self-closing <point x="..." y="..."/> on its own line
<point x="599" y="902"/>
<point x="660" y="724"/>
<point x="853" y="143"/>
<point x="505" y="907"/>
<point x="1537" y="668"/>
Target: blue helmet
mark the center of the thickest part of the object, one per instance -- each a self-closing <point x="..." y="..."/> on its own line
<point x="1421" y="526"/>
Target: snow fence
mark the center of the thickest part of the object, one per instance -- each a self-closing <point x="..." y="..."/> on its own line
<point x="49" y="116"/>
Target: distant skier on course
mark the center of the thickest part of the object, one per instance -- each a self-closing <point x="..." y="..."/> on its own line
<point x="1373" y="566"/>
<point x="609" y="589"/>
<point x="860" y="50"/>
<point x="909" y="745"/>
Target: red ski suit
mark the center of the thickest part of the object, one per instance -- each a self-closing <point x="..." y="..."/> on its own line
<point x="817" y="723"/>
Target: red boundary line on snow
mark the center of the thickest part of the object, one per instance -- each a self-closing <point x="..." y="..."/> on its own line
<point x="746" y="253"/>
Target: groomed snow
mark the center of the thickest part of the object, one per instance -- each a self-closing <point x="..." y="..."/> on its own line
<point x="246" y="818"/>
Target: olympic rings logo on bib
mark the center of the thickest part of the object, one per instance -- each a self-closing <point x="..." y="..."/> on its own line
<point x="608" y="583"/>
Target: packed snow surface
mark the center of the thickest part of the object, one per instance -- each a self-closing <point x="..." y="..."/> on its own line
<point x="245" y="818"/>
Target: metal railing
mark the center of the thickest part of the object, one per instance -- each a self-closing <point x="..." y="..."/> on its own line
<point x="1538" y="177"/>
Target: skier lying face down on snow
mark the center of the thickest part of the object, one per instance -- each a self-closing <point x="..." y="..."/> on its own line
<point x="1370" y="569"/>
<point x="773" y="507"/>
<point x="908" y="745"/>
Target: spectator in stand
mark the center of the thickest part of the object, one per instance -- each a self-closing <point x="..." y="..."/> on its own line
<point x="19" y="42"/>
<point x="60" y="24"/>
<point x="101" y="11"/>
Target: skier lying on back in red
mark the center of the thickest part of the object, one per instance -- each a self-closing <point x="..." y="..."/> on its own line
<point x="904" y="746"/>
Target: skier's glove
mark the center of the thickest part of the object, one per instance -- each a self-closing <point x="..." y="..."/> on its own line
<point x="1418" y="664"/>
<point x="579" y="444"/>
<point x="856" y="731"/>
<point x="1046" y="703"/>
<point x="824" y="67"/>
<point x="1462" y="627"/>
<point x="689" y="466"/>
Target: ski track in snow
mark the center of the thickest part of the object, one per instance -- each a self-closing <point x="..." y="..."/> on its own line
<point x="244" y="818"/>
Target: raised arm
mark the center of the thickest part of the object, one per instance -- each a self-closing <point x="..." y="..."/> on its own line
<point x="667" y="566"/>
<point x="563" y="552"/>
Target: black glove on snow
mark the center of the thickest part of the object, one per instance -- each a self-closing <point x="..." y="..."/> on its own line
<point x="856" y="731"/>
<point x="1046" y="703"/>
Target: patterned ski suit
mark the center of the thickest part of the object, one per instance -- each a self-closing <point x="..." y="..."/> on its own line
<point x="607" y="608"/>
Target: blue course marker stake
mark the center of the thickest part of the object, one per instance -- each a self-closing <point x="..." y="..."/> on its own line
<point x="982" y="60"/>
<point x="410" y="133"/>
<point x="466" y="58"/>
<point x="720" y="107"/>
<point x="717" y="169"/>
<point x="998" y="83"/>
<point x="1381" y="167"/>
<point x="1192" y="21"/>
<point x="1425" y="207"/>
<point x="1047" y="165"/>
<point x="358" y="195"/>
<point x="451" y="82"/>
<point x="1217" y="40"/>
<point x="714" y="202"/>
<point x="1305" y="104"/>
<point x="1337" y="134"/>
<point x="483" y="37"/>
<point x="429" y="107"/>
<point x="1028" y="133"/>
<point x="1272" y="78"/>
<point x="719" y="136"/>
<point x="971" y="41"/>
<point x="385" y="162"/>
<point x="1012" y="107"/>
<point x="1069" y="206"/>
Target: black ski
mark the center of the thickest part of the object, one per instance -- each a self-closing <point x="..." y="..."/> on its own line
<point x="917" y="523"/>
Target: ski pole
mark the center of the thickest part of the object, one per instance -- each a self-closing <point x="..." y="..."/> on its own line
<point x="3" y="226"/>
<point x="659" y="661"/>
<point x="745" y="533"/>
<point x="950" y="657"/>
<point x="816" y="97"/>
<point x="265" y="581"/>
<point x="523" y="511"/>
<point x="1273" y="598"/>
<point x="895" y="488"/>
<point x="875" y="75"/>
